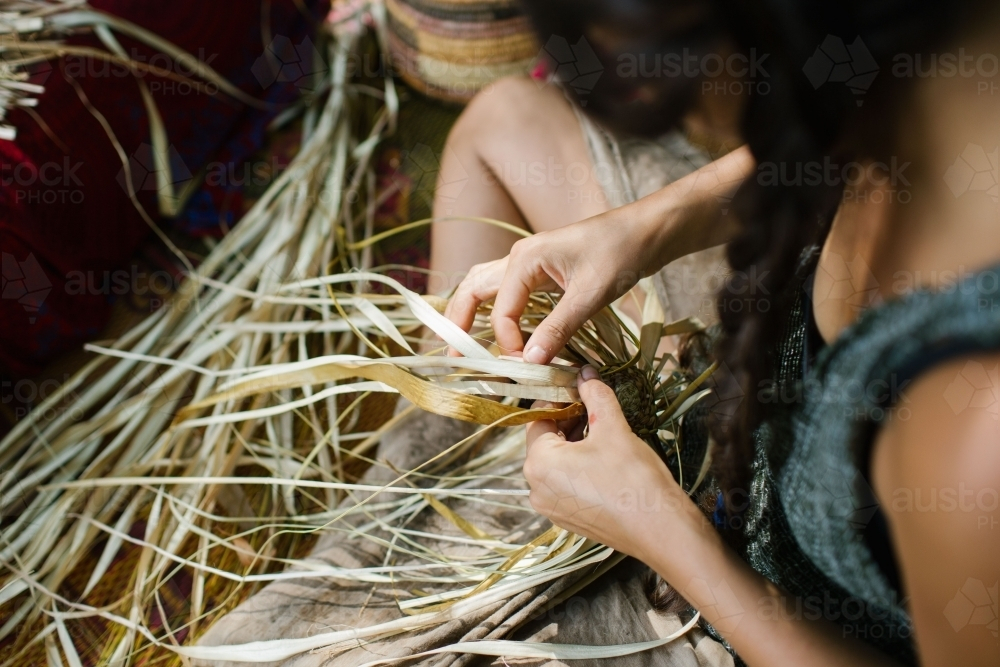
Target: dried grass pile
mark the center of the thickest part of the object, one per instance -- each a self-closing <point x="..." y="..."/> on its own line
<point x="193" y="460"/>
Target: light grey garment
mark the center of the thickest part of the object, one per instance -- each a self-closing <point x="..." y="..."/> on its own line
<point x="302" y="607"/>
<point x="630" y="169"/>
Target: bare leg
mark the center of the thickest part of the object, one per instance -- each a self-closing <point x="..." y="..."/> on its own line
<point x="516" y="154"/>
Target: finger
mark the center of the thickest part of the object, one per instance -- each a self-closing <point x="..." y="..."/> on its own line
<point x="481" y="284"/>
<point x="603" y="410"/>
<point x="515" y="289"/>
<point x="552" y="334"/>
<point x="542" y="427"/>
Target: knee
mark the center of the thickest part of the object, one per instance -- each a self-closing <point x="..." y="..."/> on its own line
<point x="506" y="109"/>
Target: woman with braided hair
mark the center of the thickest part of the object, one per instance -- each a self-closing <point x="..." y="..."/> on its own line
<point x="859" y="474"/>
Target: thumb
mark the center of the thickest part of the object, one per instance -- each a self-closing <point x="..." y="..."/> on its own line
<point x="552" y="334"/>
<point x="602" y="405"/>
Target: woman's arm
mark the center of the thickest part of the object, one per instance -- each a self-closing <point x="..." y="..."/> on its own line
<point x="936" y="472"/>
<point x="613" y="488"/>
<point x="597" y="260"/>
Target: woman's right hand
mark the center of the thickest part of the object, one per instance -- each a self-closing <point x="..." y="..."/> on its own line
<point x="592" y="263"/>
<point x="595" y="261"/>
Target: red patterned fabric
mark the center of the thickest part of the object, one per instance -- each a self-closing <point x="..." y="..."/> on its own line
<point x="64" y="213"/>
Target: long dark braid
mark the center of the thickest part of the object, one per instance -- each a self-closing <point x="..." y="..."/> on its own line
<point x="794" y="125"/>
<point x="788" y="127"/>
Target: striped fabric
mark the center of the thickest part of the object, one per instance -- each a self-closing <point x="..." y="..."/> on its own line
<point x="451" y="49"/>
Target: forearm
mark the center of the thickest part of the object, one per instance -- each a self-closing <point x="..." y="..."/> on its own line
<point x="691" y="214"/>
<point x="740" y="604"/>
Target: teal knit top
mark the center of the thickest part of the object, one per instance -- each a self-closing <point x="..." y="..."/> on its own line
<point x="812" y="524"/>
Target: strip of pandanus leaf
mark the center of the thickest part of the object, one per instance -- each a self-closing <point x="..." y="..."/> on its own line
<point x="544" y="539"/>
<point x="423" y="393"/>
<point x="689" y="390"/>
<point x="377" y="238"/>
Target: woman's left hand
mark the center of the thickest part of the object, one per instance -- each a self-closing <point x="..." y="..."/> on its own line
<point x="610" y="486"/>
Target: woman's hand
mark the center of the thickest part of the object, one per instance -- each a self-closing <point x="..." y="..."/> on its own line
<point x="610" y="486"/>
<point x="595" y="261"/>
<point x="592" y="263"/>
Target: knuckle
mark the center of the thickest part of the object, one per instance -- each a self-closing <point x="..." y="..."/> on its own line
<point x="497" y="319"/>
<point x="520" y="248"/>
<point x="464" y="289"/>
<point x="558" y="328"/>
<point x="477" y="271"/>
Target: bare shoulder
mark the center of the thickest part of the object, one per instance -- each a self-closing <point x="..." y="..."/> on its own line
<point x="936" y="472"/>
<point x="948" y="429"/>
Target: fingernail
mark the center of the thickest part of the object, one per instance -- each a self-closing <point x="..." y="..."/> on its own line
<point x="535" y="355"/>
<point x="589" y="373"/>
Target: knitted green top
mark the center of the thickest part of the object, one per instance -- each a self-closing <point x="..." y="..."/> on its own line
<point x="812" y="524"/>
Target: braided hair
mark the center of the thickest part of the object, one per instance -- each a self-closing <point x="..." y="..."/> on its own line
<point x="808" y="116"/>
<point x="803" y="121"/>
